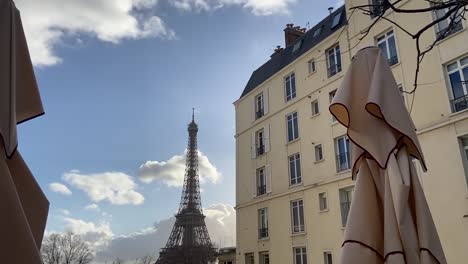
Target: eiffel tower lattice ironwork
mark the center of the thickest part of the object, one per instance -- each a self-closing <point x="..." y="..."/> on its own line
<point x="189" y="241"/>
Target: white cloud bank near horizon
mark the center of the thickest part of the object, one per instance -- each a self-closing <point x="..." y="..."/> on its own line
<point x="220" y="221"/>
<point x="257" y="7"/>
<point x="115" y="187"/>
<point x="172" y="171"/>
<point x="48" y="22"/>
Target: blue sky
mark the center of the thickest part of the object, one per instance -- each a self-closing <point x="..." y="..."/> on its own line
<point x="117" y="100"/>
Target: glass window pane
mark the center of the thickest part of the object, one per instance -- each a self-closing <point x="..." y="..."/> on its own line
<point x="457" y="87"/>
<point x="392" y="46"/>
<point x="452" y="67"/>
<point x="304" y="259"/>
<point x="290" y="130"/>
<point x="383" y="47"/>
<point x="338" y="56"/>
<point x="296" y="129"/>
<point x="298" y="166"/>
<point x="465" y="75"/>
<point x="464" y="61"/>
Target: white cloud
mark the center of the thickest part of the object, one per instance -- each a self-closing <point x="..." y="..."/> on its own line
<point x="64" y="212"/>
<point x="92" y="207"/>
<point x="257" y="7"/>
<point x="47" y="22"/>
<point x="115" y="187"/>
<point x="59" y="188"/>
<point x="172" y="171"/>
<point x="97" y="235"/>
<point x="220" y="220"/>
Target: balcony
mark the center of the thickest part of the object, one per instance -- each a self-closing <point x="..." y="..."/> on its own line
<point x="259" y="113"/>
<point x="260" y="150"/>
<point x="334" y="70"/>
<point x="343" y="162"/>
<point x="459" y="104"/>
<point x="393" y="60"/>
<point x="261" y="190"/>
<point x="298" y="229"/>
<point x="263" y="233"/>
<point x="441" y="34"/>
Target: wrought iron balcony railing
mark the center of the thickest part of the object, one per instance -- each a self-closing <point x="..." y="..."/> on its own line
<point x="441" y="34"/>
<point x="298" y="228"/>
<point x="263" y="232"/>
<point x="343" y="162"/>
<point x="259" y="113"/>
<point x="460" y="103"/>
<point x="261" y="190"/>
<point x="393" y="60"/>
<point x="260" y="150"/>
<point x="334" y="69"/>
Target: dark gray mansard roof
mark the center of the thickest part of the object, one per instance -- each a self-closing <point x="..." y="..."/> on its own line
<point x="281" y="60"/>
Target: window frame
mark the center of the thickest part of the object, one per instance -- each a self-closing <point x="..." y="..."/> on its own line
<point x="291" y="88"/>
<point x="300" y="252"/>
<point x="464" y="151"/>
<point x="332" y="95"/>
<point x="457" y="27"/>
<point x="384" y="38"/>
<point x="259" y="110"/>
<point x="325" y="259"/>
<point x="325" y="195"/>
<point x="315" y="112"/>
<point x="464" y="83"/>
<point x="294" y="116"/>
<point x="262" y="255"/>
<point x="263" y="223"/>
<point x="336" y="58"/>
<point x="296" y="160"/>
<point x="311" y="67"/>
<point x="249" y="258"/>
<point x="260" y="142"/>
<point x="319" y="147"/>
<point x="346" y="154"/>
<point x="348" y="202"/>
<point x="300" y="227"/>
<point x="261" y="189"/>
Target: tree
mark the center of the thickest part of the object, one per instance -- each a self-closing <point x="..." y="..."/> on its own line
<point x="452" y="11"/>
<point x="65" y="248"/>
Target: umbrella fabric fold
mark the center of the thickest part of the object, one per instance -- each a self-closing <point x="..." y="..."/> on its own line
<point x="389" y="220"/>
<point x="23" y="205"/>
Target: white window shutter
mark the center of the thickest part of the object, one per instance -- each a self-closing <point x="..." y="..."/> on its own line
<point x="253" y="147"/>
<point x="254" y="184"/>
<point x="266" y="139"/>
<point x="253" y="109"/>
<point x="265" y="101"/>
<point x="268" y="178"/>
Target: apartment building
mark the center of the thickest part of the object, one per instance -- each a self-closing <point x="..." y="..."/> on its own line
<point x="293" y="181"/>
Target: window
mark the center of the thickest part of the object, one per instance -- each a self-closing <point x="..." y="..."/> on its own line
<point x="333" y="60"/>
<point x="327" y="257"/>
<point x="300" y="255"/>
<point x="386" y="43"/>
<point x="297" y="212"/>
<point x="261" y="181"/>
<point x="346" y="196"/>
<point x="317" y="31"/>
<point x="263" y="223"/>
<point x="464" y="144"/>
<point x="458" y="77"/>
<point x="295" y="169"/>
<point x="323" y="203"/>
<point x="249" y="258"/>
<point x="311" y="66"/>
<point x="402" y="93"/>
<point x="336" y="20"/>
<point x="447" y="26"/>
<point x="259" y="106"/>
<point x="315" y="107"/>
<point x="264" y="258"/>
<point x="378" y="7"/>
<point x="297" y="46"/>
<point x="260" y="142"/>
<point x="290" y="86"/>
<point x="332" y="94"/>
<point x="318" y="152"/>
<point x="343" y="161"/>
<point x="293" y="127"/>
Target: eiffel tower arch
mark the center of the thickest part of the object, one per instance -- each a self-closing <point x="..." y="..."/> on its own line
<point x="189" y="241"/>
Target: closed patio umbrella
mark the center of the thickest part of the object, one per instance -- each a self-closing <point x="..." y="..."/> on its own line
<point x="389" y="220"/>
<point x="23" y="206"/>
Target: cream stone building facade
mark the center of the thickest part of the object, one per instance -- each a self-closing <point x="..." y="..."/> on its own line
<point x="293" y="185"/>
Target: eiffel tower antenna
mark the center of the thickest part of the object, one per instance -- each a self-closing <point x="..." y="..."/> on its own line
<point x="189" y="241"/>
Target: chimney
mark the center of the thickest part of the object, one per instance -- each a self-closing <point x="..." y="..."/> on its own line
<point x="277" y="51"/>
<point x="330" y="10"/>
<point x="292" y="33"/>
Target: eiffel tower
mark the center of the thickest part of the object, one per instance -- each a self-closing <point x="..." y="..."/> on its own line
<point x="189" y="242"/>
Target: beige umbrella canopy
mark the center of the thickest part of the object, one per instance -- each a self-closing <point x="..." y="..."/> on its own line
<point x="23" y="206"/>
<point x="389" y="219"/>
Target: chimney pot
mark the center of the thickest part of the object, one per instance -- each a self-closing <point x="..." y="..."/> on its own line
<point x="292" y="33"/>
<point x="330" y="10"/>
